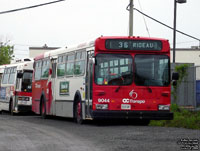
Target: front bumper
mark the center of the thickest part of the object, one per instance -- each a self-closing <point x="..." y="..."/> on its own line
<point x="24" y="108"/>
<point x="150" y="115"/>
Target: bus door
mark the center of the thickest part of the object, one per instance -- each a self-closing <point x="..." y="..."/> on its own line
<point x="53" y="84"/>
<point x="89" y="77"/>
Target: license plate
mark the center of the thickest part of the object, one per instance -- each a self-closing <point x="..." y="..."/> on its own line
<point x="125" y="106"/>
<point x="24" y="102"/>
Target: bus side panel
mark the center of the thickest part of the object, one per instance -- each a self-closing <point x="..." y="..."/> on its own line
<point x="5" y="96"/>
<point x="4" y="104"/>
<point x="41" y="89"/>
<point x="66" y="89"/>
<point x="36" y="94"/>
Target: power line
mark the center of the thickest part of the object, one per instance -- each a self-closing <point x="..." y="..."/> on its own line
<point x="29" y="7"/>
<point x="144" y="19"/>
<point x="166" y="25"/>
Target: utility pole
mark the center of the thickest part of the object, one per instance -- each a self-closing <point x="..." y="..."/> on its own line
<point x="131" y="18"/>
<point x="174" y="32"/>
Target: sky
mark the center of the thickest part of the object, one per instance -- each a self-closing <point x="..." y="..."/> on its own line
<point x="72" y="22"/>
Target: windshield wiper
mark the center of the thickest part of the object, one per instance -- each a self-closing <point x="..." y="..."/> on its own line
<point x="117" y="89"/>
<point x="149" y="89"/>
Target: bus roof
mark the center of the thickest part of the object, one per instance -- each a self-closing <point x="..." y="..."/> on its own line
<point x="2" y="67"/>
<point x="131" y="37"/>
<point x="61" y="50"/>
<point x="21" y="65"/>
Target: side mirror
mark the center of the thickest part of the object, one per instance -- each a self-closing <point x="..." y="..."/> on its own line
<point x="19" y="75"/>
<point x="175" y="76"/>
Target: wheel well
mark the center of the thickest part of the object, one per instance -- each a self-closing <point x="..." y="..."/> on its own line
<point x="42" y="97"/>
<point x="11" y="100"/>
<point x="77" y="97"/>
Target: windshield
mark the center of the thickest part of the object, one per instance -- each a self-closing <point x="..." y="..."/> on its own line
<point x="151" y="70"/>
<point x="113" y="69"/>
<point x="27" y="81"/>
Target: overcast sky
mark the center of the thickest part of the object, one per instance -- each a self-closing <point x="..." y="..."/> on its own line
<point x="76" y="21"/>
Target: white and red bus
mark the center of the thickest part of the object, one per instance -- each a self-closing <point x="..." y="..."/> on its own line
<point x="111" y="77"/>
<point x="2" y="67"/>
<point x="16" y="86"/>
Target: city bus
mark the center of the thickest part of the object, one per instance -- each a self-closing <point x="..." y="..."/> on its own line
<point x="2" y="67"/>
<point x="16" y="86"/>
<point x="109" y="78"/>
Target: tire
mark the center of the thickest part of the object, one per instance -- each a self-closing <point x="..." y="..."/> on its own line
<point x="43" y="109"/>
<point x="11" y="108"/>
<point x="78" y="113"/>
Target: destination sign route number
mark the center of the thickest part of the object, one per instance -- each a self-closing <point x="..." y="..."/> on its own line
<point x="118" y="44"/>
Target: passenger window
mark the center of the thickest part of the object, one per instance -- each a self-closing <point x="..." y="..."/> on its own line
<point x="61" y="66"/>
<point x="45" y="69"/>
<point x="70" y="65"/>
<point x="38" y="70"/>
<point x="79" y="68"/>
<point x="12" y="75"/>
<point x="6" y="76"/>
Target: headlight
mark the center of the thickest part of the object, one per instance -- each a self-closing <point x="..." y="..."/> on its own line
<point x="163" y="107"/>
<point x="101" y="106"/>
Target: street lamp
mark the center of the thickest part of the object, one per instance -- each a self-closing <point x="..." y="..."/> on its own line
<point x="174" y="35"/>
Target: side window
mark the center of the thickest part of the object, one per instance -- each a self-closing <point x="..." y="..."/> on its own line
<point x="6" y="75"/>
<point x="61" y="66"/>
<point x="79" y="68"/>
<point x="12" y="75"/>
<point x="38" y="70"/>
<point x="70" y="65"/>
<point x="53" y="68"/>
<point x="45" y="69"/>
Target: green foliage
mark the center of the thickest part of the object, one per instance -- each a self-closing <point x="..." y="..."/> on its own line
<point x="182" y="118"/>
<point x="182" y="70"/>
<point x="6" y="53"/>
<point x="175" y="108"/>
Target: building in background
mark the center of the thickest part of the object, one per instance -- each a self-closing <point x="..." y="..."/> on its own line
<point x="187" y="55"/>
<point x="35" y="51"/>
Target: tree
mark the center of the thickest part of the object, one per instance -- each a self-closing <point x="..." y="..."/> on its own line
<point x="6" y="53"/>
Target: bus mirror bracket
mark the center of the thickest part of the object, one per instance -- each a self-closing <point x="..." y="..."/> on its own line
<point x="19" y="75"/>
<point x="174" y="83"/>
<point x="92" y="60"/>
<point x="54" y="58"/>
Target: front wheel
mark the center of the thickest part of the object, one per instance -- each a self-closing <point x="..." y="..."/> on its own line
<point x="11" y="108"/>
<point x="78" y="113"/>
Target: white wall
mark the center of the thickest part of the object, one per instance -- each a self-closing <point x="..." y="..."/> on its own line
<point x="187" y="56"/>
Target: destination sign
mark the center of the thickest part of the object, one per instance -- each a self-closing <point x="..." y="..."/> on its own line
<point x="117" y="44"/>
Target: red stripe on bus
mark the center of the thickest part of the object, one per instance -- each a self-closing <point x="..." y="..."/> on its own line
<point x="23" y="93"/>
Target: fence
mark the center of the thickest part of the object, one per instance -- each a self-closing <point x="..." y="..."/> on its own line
<point x="188" y="91"/>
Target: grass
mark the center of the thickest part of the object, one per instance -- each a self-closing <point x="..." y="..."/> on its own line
<point x="182" y="118"/>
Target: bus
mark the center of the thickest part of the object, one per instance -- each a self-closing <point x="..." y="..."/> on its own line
<point x="109" y="78"/>
<point x="16" y="86"/>
<point x="2" y="67"/>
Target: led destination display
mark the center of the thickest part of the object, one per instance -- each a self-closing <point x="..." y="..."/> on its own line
<point x="117" y="44"/>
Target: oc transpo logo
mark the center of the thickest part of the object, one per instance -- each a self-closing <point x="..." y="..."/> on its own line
<point x="133" y="96"/>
